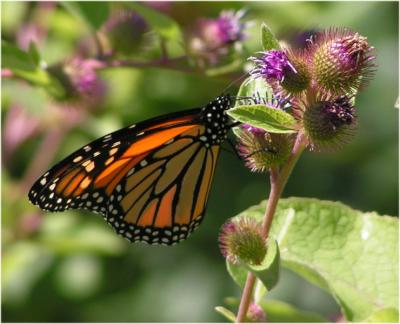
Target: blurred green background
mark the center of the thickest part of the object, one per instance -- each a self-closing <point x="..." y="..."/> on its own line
<point x="71" y="267"/>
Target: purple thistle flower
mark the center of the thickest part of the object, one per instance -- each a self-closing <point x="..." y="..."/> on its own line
<point x="330" y="123"/>
<point x="342" y="61"/>
<point x="227" y="229"/>
<point x="340" y="111"/>
<point x="272" y="66"/>
<point x="241" y="240"/>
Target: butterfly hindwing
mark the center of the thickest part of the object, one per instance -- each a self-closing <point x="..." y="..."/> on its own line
<point x="150" y="181"/>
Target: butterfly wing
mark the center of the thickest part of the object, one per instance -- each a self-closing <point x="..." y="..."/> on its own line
<point x="78" y="170"/>
<point x="150" y="181"/>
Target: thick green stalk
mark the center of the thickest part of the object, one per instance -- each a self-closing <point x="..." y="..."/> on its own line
<point x="278" y="180"/>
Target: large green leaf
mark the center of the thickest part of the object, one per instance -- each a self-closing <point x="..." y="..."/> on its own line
<point x="351" y="254"/>
<point x="386" y="315"/>
<point x="271" y="119"/>
<point x="268" y="39"/>
<point x="165" y="26"/>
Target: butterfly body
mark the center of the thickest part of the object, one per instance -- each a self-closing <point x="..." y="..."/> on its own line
<point x="150" y="181"/>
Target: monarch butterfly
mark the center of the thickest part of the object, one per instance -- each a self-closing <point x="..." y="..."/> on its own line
<point x="150" y="181"/>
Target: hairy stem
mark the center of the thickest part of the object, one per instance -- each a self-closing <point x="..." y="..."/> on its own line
<point x="278" y="180"/>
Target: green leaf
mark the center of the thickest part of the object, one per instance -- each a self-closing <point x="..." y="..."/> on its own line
<point x="226" y="313"/>
<point x="165" y="26"/>
<point x="93" y="14"/>
<point x="267" y="272"/>
<point x="16" y="59"/>
<point x="268" y="118"/>
<point x="25" y="65"/>
<point x="280" y="312"/>
<point x="251" y="87"/>
<point x="386" y="315"/>
<point x="34" y="53"/>
<point x="351" y="254"/>
<point x="268" y="39"/>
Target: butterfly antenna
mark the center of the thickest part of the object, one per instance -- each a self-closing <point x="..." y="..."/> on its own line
<point x="235" y="81"/>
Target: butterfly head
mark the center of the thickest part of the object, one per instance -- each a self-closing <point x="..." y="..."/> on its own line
<point x="216" y="120"/>
<point x="224" y="101"/>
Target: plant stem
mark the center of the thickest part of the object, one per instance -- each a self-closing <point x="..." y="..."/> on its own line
<point x="172" y="64"/>
<point x="278" y="180"/>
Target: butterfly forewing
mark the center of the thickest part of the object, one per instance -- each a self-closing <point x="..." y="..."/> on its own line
<point x="150" y="181"/>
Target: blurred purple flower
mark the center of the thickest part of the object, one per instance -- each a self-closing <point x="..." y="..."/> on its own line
<point x="162" y="6"/>
<point x="212" y="38"/>
<point x="222" y="31"/>
<point x="84" y="78"/>
<point x="30" y="33"/>
<point x="30" y="222"/>
<point x="18" y="127"/>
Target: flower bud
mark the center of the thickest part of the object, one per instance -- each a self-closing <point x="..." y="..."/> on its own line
<point x="342" y="61"/>
<point x="288" y="71"/>
<point x="256" y="314"/>
<point x="125" y="31"/>
<point x="330" y="123"/>
<point x="262" y="150"/>
<point x="241" y="240"/>
<point x="295" y="82"/>
<point x="18" y="127"/>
